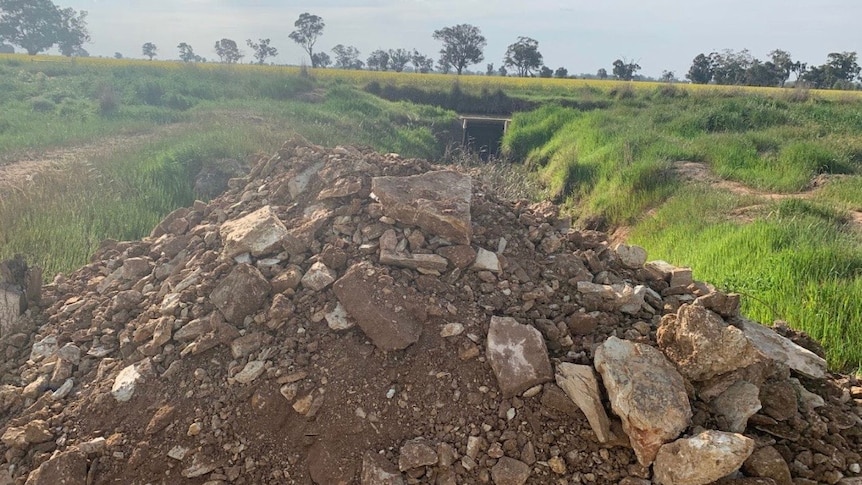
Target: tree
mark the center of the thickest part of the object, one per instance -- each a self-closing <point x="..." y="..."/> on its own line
<point x="378" y="60"/>
<point x="227" y="51"/>
<point x="262" y="50"/>
<point x="444" y="66"/>
<point x="503" y="72"/>
<point x="149" y="50"/>
<point x="729" y="67"/>
<point x="838" y="73"/>
<point x="308" y="29"/>
<point x="524" y="56"/>
<point x="701" y="70"/>
<point x="462" y="46"/>
<point x="118" y="55"/>
<point x="73" y="34"/>
<point x="668" y="77"/>
<point x="187" y="54"/>
<point x="602" y="73"/>
<point x="783" y="63"/>
<point x="34" y="25"/>
<point x="561" y="73"/>
<point x="398" y="58"/>
<point x="421" y="62"/>
<point x="321" y="59"/>
<point x="489" y="69"/>
<point x="625" y="70"/>
<point x="546" y="72"/>
<point x="347" y="57"/>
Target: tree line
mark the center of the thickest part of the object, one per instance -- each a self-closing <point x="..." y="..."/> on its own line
<point x="38" y="25"/>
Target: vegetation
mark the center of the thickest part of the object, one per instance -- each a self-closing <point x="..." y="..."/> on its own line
<point x="462" y="46"/>
<point x="38" y="25"/>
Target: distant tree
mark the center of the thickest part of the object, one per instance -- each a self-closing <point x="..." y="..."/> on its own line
<point x="37" y="25"/>
<point x="701" y="70"/>
<point x="561" y="73"/>
<point x="503" y="72"/>
<point x="398" y="58"/>
<point x="729" y="67"/>
<point x="73" y="33"/>
<point x="602" y="73"/>
<point x="262" y="50"/>
<point x="668" y="77"/>
<point x="546" y="72"/>
<point x="378" y="60"/>
<point x="444" y="66"/>
<point x="187" y="54"/>
<point x="489" y="69"/>
<point x="783" y="64"/>
<point x="228" y="51"/>
<point x="149" y="50"/>
<point x="462" y="46"/>
<point x="421" y="62"/>
<point x="839" y="72"/>
<point x="523" y="56"/>
<point x="347" y="57"/>
<point x="321" y="59"/>
<point x="118" y="55"/>
<point x="308" y="29"/>
<point x="625" y="70"/>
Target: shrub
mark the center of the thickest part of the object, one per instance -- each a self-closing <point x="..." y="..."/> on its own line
<point x="42" y="105"/>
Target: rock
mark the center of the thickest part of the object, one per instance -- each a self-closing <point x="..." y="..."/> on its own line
<point x="63" y="390"/>
<point x="66" y="468"/>
<point x="557" y="465"/>
<point x="241" y="293"/>
<point x="430" y="262"/>
<point x="782" y="349"/>
<point x="486" y="261"/>
<point x="767" y="462"/>
<point x="288" y="279"/>
<point x="341" y="188"/>
<point x="452" y="330"/>
<point x="259" y="233"/>
<point x="509" y="471"/>
<point x="702" y="345"/>
<point x="12" y="305"/>
<point x="779" y="400"/>
<point x="580" y="384"/>
<point x="646" y="392"/>
<point x="738" y="403"/>
<point x="318" y="277"/>
<point x="377" y="309"/>
<point x="337" y="319"/>
<point x="461" y="256"/>
<point x="250" y="372"/>
<point x="201" y="465"/>
<point x="161" y="419"/>
<point x="43" y="348"/>
<point x="632" y="257"/>
<point x="326" y="468"/>
<point x="416" y="453"/>
<point x="128" y="378"/>
<point x="376" y="470"/>
<point x="248" y="343"/>
<point x="93" y="447"/>
<point x="32" y="433"/>
<point x="299" y="183"/>
<point x="726" y="305"/>
<point x="518" y="356"/>
<point x="623" y="297"/>
<point x="701" y="459"/>
<point x="808" y="401"/>
<point x="438" y="202"/>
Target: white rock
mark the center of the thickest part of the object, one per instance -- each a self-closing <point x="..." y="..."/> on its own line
<point x="250" y="372"/>
<point x="452" y="330"/>
<point x="125" y="382"/>
<point x="178" y="452"/>
<point x="63" y="390"/>
<point x="337" y="319"/>
<point x="783" y="350"/>
<point x="701" y="459"/>
<point x="94" y="446"/>
<point x="486" y="261"/>
<point x="580" y="384"/>
<point x="43" y="348"/>
<point x="632" y="257"/>
<point x="318" y="277"/>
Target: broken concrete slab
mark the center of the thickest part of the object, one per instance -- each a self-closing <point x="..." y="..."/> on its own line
<point x="518" y="355"/>
<point x="258" y="233"/>
<point x="438" y="202"/>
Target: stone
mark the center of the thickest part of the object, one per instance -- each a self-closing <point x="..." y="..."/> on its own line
<point x="703" y="345"/>
<point x="701" y="459"/>
<point x="32" y="433"/>
<point x="767" y="462"/>
<point x="377" y="308"/>
<point x="808" y="400"/>
<point x="632" y="257"/>
<point x="241" y="293"/>
<point x="437" y="202"/>
<point x="486" y="261"/>
<point x="161" y="419"/>
<point x="337" y="319"/>
<point x="63" y="390"/>
<point x="509" y="471"/>
<point x="726" y="305"/>
<point x="377" y="470"/>
<point x="461" y="256"/>
<point x="66" y="468"/>
<point x="298" y="184"/>
<point x="12" y="305"/>
<point x="259" y="233"/>
<point x="416" y="453"/>
<point x="341" y="188"/>
<point x="93" y="446"/>
<point x="430" y="262"/>
<point x="248" y="343"/>
<point x="681" y="277"/>
<point x="128" y="378"/>
<point x="326" y="467"/>
<point x="250" y="372"/>
<point x="779" y="400"/>
<point x="783" y="350"/>
<point x="452" y="329"/>
<point x="318" y="277"/>
<point x="659" y="269"/>
<point x="518" y="356"/>
<point x="580" y="384"/>
<point x="201" y="465"/>
<point x="288" y="279"/>
<point x="43" y="348"/>
<point x="735" y="405"/>
<point x="623" y="297"/>
<point x="646" y="392"/>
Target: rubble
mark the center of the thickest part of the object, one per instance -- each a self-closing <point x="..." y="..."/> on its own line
<point x="299" y="330"/>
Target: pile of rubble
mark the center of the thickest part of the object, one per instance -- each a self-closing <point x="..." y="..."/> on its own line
<point x="341" y="316"/>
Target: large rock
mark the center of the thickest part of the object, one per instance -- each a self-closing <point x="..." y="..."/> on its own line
<point x="416" y="453"/>
<point x="767" y="462"/>
<point x="518" y="355"/>
<point x="509" y="471"/>
<point x="703" y="345"/>
<point x="646" y="392"/>
<point x="735" y="405"/>
<point x="258" y="233"/>
<point x="241" y="293"/>
<point x="701" y="459"/>
<point x="782" y="349"/>
<point x="623" y="297"/>
<point x="377" y="307"/>
<point x="376" y="470"/>
<point x="438" y="202"/>
<point x="580" y="384"/>
<point x="128" y="379"/>
<point x="632" y="257"/>
<point x="67" y="468"/>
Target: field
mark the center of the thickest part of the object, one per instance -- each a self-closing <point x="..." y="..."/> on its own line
<point x="768" y="204"/>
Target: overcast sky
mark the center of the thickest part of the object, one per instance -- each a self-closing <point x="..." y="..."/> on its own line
<point x="580" y="35"/>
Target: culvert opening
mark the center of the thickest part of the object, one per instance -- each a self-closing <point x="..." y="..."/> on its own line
<point x="483" y="135"/>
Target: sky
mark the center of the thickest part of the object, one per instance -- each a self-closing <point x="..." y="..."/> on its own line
<point x="581" y="35"/>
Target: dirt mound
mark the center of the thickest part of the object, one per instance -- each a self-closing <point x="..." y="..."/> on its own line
<point x="341" y="316"/>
